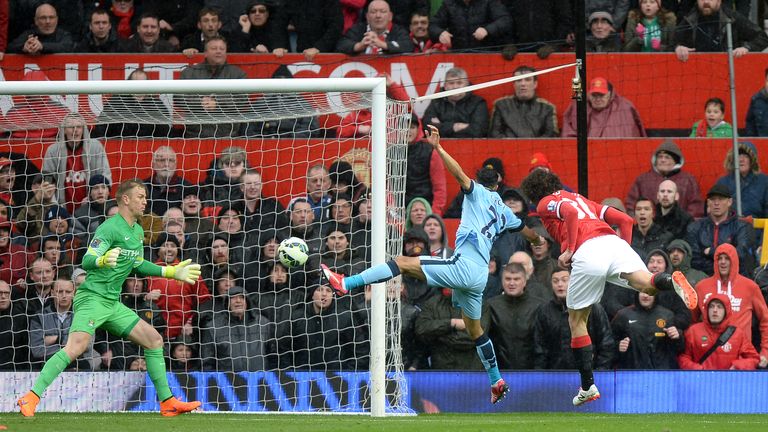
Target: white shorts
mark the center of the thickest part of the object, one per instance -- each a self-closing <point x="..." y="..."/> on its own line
<point x="597" y="261"/>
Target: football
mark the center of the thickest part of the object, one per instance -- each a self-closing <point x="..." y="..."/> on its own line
<point x="292" y="252"/>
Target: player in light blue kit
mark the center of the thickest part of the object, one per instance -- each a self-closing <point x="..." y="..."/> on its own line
<point x="483" y="218"/>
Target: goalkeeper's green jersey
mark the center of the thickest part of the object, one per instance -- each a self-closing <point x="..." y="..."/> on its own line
<point x="115" y="232"/>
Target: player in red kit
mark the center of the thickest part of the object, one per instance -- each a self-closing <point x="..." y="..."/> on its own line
<point x="596" y="255"/>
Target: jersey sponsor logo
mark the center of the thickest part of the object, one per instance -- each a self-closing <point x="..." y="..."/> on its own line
<point x="95" y="243"/>
<point x="632" y="321"/>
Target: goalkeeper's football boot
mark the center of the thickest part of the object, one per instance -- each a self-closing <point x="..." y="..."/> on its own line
<point x="684" y="289"/>
<point x="28" y="404"/>
<point x="335" y="280"/>
<point x="585" y="396"/>
<point x="173" y="407"/>
<point x="499" y="390"/>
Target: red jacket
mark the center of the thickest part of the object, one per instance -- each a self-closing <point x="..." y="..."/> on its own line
<point x="743" y="294"/>
<point x="619" y="119"/>
<point x="13" y="263"/>
<point x="178" y="301"/>
<point x="738" y="352"/>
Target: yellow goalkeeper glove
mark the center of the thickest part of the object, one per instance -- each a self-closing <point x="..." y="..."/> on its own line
<point x="109" y="259"/>
<point x="184" y="271"/>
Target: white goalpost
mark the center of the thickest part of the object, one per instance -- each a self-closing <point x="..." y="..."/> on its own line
<point x="384" y="390"/>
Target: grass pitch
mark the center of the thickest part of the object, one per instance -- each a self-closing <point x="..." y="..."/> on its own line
<point x="534" y="422"/>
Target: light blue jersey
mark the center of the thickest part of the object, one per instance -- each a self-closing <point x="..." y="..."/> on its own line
<point x="484" y="216"/>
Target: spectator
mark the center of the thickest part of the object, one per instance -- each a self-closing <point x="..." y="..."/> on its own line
<point x="720" y="226"/>
<point x="644" y="338"/>
<point x="403" y="10"/>
<point x="284" y="104"/>
<point x="7" y="181"/>
<point x="650" y="28"/>
<point x="617" y="8"/>
<point x="191" y="207"/>
<point x="224" y="280"/>
<point x="342" y="346"/>
<point x="101" y="37"/>
<point x="438" y="237"/>
<point x="669" y="215"/>
<point x="30" y="218"/>
<point x="746" y="300"/>
<point x="237" y="339"/>
<point x="461" y="115"/>
<point x="378" y="35"/>
<point x="341" y="215"/>
<point x="425" y="177"/>
<point x="93" y="212"/>
<point x="13" y="332"/>
<point x="511" y="318"/>
<point x="261" y="213"/>
<point x="147" y="38"/>
<point x="345" y="181"/>
<point x="303" y="226"/>
<point x="667" y="164"/>
<point x="552" y="336"/>
<point x="51" y="250"/>
<point x="524" y="115"/>
<point x="45" y="36"/>
<point x="477" y="24"/>
<point x="37" y="287"/>
<point x="540" y="24"/>
<point x="165" y="188"/>
<point x="317" y="24"/>
<point x="609" y="115"/>
<point x="338" y="256"/>
<point x="256" y="33"/>
<point x="74" y="158"/>
<point x="543" y="262"/>
<point x="757" y="114"/>
<point x="49" y="330"/>
<point x="178" y="18"/>
<point x="703" y="30"/>
<point x="509" y="242"/>
<point x="713" y="125"/>
<point x="646" y="235"/>
<point x="13" y="257"/>
<point x="213" y="107"/>
<point x="113" y="122"/>
<point x="24" y="118"/>
<point x="71" y="235"/>
<point x="603" y="36"/>
<point x="680" y="257"/>
<point x="533" y="287"/>
<point x="178" y="301"/>
<point x="419" y="33"/>
<point x="184" y="357"/>
<point x="222" y="184"/>
<point x="416" y="243"/>
<point x="753" y="184"/>
<point x="440" y="328"/>
<point x="229" y="12"/>
<point x="125" y="16"/>
<point x="218" y="260"/>
<point x="208" y="25"/>
<point x="735" y="352"/>
<point x="416" y="212"/>
<point x="318" y="184"/>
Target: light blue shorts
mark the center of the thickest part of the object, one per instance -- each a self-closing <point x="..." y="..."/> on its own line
<point x="465" y="273"/>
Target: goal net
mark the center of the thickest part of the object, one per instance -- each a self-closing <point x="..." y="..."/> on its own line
<point x="232" y="168"/>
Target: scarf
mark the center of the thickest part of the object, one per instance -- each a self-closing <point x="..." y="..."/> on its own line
<point x="124" y="24"/>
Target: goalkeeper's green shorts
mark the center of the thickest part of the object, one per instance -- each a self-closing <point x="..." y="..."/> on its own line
<point x="92" y="312"/>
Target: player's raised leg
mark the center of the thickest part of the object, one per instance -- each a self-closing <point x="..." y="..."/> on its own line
<point x="649" y="283"/>
<point x="149" y="339"/>
<point x="581" y="345"/>
<point x="487" y="355"/>
<point x="341" y="284"/>
<point x="76" y="345"/>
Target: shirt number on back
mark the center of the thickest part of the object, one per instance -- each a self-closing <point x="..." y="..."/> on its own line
<point x="581" y="207"/>
<point x="488" y="226"/>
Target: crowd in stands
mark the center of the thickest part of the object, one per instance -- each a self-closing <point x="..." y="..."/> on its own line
<point x="249" y="312"/>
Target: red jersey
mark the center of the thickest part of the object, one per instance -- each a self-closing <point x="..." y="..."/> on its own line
<point x="572" y="219"/>
<point x="75" y="180"/>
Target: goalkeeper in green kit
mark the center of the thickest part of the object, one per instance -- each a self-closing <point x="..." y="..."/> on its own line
<point x="114" y="253"/>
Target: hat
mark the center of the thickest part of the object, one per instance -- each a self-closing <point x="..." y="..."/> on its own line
<point x="236" y="290"/>
<point x="539" y="160"/>
<point x="190" y="190"/>
<point x="600" y="14"/>
<point x="164" y="237"/>
<point x="4" y="162"/>
<point x="599" y="84"/>
<point x="98" y="179"/>
<point x="719" y="190"/>
<point x="56" y="212"/>
<point x="38" y="178"/>
<point x="232" y="154"/>
<point x="77" y="272"/>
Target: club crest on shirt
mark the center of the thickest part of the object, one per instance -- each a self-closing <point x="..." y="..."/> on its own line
<point x="91" y="323"/>
<point x="95" y="243"/>
<point x="661" y="323"/>
<point x="551" y="206"/>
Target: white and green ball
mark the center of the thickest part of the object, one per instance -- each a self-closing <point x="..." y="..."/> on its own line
<point x="293" y="252"/>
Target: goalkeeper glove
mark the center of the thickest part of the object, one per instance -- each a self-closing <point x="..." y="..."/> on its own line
<point x="184" y="271"/>
<point x="109" y="259"/>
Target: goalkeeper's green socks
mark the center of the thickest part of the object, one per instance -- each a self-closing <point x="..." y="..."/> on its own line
<point x="156" y="370"/>
<point x="53" y="367"/>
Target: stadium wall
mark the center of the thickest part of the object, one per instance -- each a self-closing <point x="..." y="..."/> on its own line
<point x="625" y="392"/>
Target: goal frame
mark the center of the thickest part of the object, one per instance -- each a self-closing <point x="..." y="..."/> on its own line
<point x="375" y="86"/>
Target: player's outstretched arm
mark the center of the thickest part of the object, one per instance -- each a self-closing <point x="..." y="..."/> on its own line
<point x="453" y="167"/>
<point x="99" y="255"/>
<point x="184" y="271"/>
